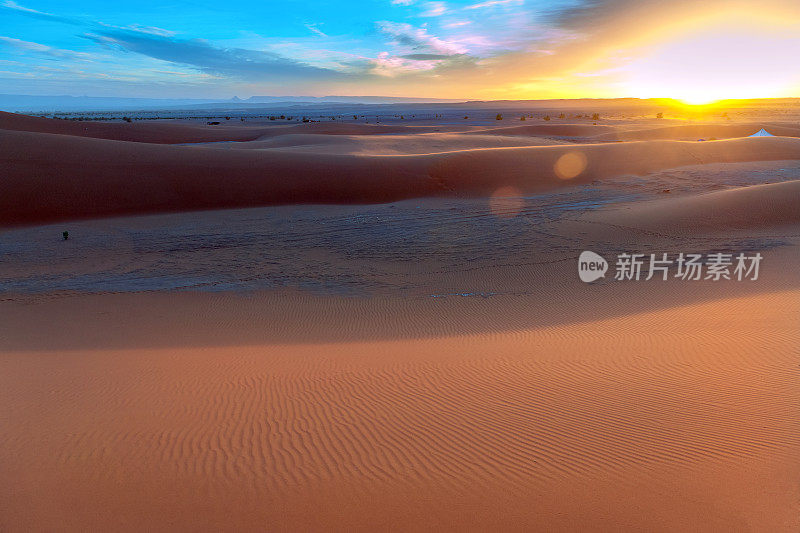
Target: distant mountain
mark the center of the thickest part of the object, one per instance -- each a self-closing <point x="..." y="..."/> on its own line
<point x="28" y="103"/>
<point x="346" y="99"/>
<point x="48" y="104"/>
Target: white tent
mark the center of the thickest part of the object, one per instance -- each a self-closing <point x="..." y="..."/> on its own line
<point x="762" y="133"/>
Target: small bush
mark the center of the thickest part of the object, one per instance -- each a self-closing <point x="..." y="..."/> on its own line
<point x="499" y="117"/>
<point x="522" y="117"/>
<point x="547" y="117"/>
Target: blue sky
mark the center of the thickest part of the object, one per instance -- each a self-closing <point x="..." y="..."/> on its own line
<point x="451" y="49"/>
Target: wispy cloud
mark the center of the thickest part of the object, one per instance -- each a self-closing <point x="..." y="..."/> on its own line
<point x="235" y="62"/>
<point x="434" y="9"/>
<point x="313" y="28"/>
<point x="493" y="3"/>
<point x="29" y="46"/>
<point x="418" y="39"/>
<point x="416" y="50"/>
<point x="457" y="24"/>
<point x="153" y="30"/>
<point x="14" y="6"/>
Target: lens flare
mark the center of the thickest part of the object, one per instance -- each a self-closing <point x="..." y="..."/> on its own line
<point x="570" y="165"/>
<point x="506" y="202"/>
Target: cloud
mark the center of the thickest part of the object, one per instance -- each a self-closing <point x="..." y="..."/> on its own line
<point x="457" y="24"/>
<point x="417" y="51"/>
<point x="235" y="62"/>
<point x="402" y="2"/>
<point x="22" y="10"/>
<point x="29" y="46"/>
<point x="426" y="57"/>
<point x="152" y="30"/>
<point x="313" y="28"/>
<point x="594" y="12"/>
<point x="612" y="14"/>
<point x="418" y="39"/>
<point x="493" y="3"/>
<point x="390" y="66"/>
<point x="434" y="9"/>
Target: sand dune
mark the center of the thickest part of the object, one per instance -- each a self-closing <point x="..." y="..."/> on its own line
<point x="554" y="130"/>
<point x="418" y="144"/>
<point x="168" y="132"/>
<point x="434" y="364"/>
<point x="675" y="420"/>
<point x="146" y="132"/>
<point x="537" y="168"/>
<point x="698" y="131"/>
<point x="773" y="204"/>
<point x="644" y="132"/>
<point x="103" y="177"/>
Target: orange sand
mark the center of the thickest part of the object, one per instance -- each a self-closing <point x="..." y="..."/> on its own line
<point x="551" y="406"/>
<point x="684" y="419"/>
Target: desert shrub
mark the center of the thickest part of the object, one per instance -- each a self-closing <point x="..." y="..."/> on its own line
<point x="659" y="115"/>
<point x="547" y="117"/>
<point x="561" y="115"/>
<point x="595" y="116"/>
<point x="126" y="119"/>
<point x="499" y="117"/>
<point x="522" y="117"/>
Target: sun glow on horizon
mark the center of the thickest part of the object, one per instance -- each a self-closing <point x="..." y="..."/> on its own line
<point x="721" y="63"/>
<point x="699" y="100"/>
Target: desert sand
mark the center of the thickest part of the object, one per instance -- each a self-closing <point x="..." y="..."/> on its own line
<point x="352" y="327"/>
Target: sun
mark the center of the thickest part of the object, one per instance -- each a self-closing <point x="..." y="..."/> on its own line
<point x="698" y="99"/>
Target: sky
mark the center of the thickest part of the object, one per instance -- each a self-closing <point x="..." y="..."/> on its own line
<point x="473" y="49"/>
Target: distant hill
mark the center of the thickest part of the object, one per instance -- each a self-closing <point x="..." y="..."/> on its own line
<point x="29" y="103"/>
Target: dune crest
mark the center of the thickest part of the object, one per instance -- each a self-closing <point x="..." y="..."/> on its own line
<point x="61" y="177"/>
<point x="772" y="204"/>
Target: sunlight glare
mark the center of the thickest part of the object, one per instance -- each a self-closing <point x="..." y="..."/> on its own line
<point x="729" y="63"/>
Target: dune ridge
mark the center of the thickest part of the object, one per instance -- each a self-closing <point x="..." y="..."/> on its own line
<point x="771" y="204"/>
<point x="60" y="177"/>
<point x="169" y="132"/>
